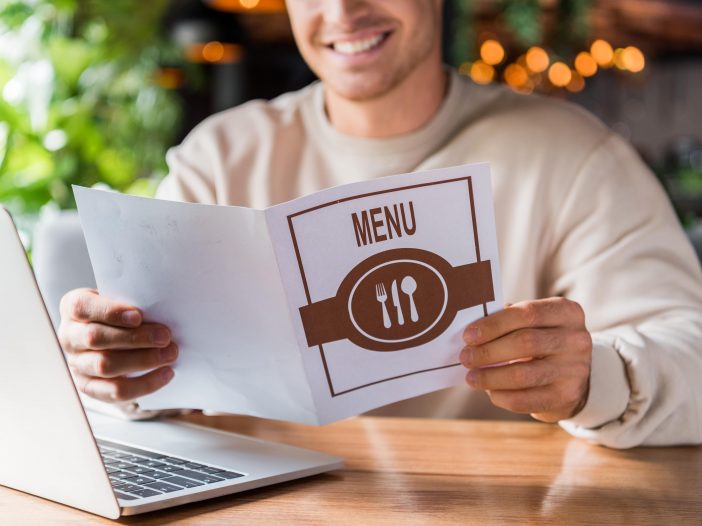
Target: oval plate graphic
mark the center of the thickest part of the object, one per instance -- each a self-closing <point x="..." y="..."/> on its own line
<point x="423" y="286"/>
<point x="397" y="299"/>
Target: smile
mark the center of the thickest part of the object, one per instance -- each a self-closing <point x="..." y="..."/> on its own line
<point x="354" y="47"/>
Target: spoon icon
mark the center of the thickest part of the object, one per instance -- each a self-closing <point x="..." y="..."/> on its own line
<point x="409" y="286"/>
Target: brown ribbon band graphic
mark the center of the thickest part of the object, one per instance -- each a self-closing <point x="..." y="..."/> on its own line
<point x="397" y="299"/>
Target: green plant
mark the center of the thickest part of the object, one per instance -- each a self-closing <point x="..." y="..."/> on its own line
<point x="79" y="101"/>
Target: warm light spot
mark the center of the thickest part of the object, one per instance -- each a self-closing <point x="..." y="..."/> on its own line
<point x="239" y="6"/>
<point x="213" y="51"/>
<point x="585" y="64"/>
<point x="602" y="52"/>
<point x="560" y="74"/>
<point x="481" y="72"/>
<point x="492" y="52"/>
<point x="618" y="59"/>
<point x="577" y="83"/>
<point x="633" y="59"/>
<point x="537" y="59"/>
<point x="516" y="76"/>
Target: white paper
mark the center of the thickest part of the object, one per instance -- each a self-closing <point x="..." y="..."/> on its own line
<point x="231" y="283"/>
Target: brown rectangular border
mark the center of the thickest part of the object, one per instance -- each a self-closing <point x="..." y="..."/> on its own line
<point x="469" y="180"/>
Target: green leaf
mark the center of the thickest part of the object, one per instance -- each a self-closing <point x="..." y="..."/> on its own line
<point x="70" y="58"/>
<point x="117" y="168"/>
<point x="14" y="14"/>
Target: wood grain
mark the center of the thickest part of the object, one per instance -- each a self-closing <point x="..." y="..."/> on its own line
<point x="414" y="471"/>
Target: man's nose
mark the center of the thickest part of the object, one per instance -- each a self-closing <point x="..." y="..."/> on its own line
<point x="344" y="13"/>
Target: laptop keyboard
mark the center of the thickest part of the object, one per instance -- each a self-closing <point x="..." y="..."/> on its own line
<point x="137" y="473"/>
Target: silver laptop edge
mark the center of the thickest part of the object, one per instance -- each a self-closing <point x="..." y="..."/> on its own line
<point x="47" y="447"/>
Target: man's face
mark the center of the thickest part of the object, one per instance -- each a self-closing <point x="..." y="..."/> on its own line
<point x="362" y="49"/>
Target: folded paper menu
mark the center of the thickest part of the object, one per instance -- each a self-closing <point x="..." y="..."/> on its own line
<point x="312" y="310"/>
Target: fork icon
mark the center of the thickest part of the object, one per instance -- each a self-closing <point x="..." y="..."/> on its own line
<point x="382" y="297"/>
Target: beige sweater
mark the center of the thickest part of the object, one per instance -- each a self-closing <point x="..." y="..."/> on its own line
<point x="578" y="215"/>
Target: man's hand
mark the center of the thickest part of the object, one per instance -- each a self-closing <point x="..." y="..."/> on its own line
<point x="106" y="342"/>
<point x="533" y="357"/>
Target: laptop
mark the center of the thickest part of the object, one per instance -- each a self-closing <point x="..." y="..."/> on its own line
<point x="51" y="447"/>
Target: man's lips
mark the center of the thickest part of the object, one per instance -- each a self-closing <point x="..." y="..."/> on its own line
<point x="358" y="43"/>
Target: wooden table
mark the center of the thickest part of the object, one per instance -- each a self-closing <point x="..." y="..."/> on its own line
<point x="412" y="471"/>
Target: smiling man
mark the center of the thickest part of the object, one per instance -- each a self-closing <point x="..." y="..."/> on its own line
<point x="604" y="325"/>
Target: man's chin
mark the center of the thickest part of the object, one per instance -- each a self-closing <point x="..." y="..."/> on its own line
<point x="362" y="88"/>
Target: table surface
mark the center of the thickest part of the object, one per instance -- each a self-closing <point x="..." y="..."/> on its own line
<point x="413" y="471"/>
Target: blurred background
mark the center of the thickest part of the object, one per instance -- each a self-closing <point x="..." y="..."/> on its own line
<point x="95" y="91"/>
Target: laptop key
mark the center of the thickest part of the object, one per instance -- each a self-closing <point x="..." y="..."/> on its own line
<point x="183" y="482"/>
<point x="124" y="496"/>
<point x="122" y="475"/>
<point x="158" y="474"/>
<point x="202" y="477"/>
<point x="173" y="460"/>
<point x="110" y="470"/>
<point x="141" y="480"/>
<point x="210" y="470"/>
<point x="171" y="469"/>
<point x="139" y="470"/>
<point x="229" y="474"/>
<point x="150" y="463"/>
<point x="164" y="487"/>
<point x="131" y="450"/>
<point x="193" y="465"/>
<point x="143" y="492"/>
<point x="123" y="465"/>
<point x="107" y="461"/>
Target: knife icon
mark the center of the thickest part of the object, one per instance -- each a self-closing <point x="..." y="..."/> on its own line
<point x="396" y="302"/>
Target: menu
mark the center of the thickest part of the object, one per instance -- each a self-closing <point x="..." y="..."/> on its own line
<point x="312" y="310"/>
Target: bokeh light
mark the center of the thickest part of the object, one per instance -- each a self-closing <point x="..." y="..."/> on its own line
<point x="516" y="76"/>
<point x="482" y="73"/>
<point x="492" y="52"/>
<point x="213" y="51"/>
<point x="560" y="74"/>
<point x="537" y="59"/>
<point x="602" y="52"/>
<point x="577" y="83"/>
<point x="633" y="59"/>
<point x="585" y="64"/>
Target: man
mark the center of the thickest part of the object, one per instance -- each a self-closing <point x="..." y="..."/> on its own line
<point x="578" y="217"/>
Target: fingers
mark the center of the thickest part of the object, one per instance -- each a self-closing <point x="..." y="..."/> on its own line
<point x="543" y="403"/>
<point x="114" y="363"/>
<point x="523" y="344"/>
<point x="524" y="402"/>
<point x="124" y="388"/>
<point x="523" y="375"/>
<point x="86" y="305"/>
<point x="551" y="387"/>
<point x="79" y="337"/>
<point x="551" y="312"/>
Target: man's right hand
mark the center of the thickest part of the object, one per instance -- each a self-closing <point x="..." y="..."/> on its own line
<point x="106" y="342"/>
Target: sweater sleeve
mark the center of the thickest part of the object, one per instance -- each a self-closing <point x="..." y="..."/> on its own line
<point x="191" y="169"/>
<point x="620" y="252"/>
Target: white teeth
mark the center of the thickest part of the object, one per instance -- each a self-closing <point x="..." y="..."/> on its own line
<point x="357" y="46"/>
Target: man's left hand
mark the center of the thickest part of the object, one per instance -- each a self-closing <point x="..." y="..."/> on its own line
<point x="532" y="357"/>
